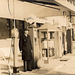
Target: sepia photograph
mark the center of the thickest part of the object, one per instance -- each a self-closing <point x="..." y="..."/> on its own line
<point x="37" y="37"/>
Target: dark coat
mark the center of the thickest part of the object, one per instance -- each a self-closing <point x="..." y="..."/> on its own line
<point x="26" y="47"/>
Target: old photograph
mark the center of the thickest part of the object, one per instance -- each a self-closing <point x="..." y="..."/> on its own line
<point x="37" y="37"/>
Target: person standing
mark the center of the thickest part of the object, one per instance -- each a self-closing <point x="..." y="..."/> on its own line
<point x="26" y="48"/>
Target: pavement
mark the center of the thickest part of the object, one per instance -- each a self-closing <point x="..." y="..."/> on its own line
<point x="60" y="66"/>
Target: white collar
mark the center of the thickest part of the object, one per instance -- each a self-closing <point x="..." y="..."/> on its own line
<point x="25" y="35"/>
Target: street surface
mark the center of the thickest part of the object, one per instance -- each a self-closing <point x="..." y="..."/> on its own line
<point x="60" y="66"/>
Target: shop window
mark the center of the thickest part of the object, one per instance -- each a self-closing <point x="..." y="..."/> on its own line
<point x="4" y="28"/>
<point x="51" y="35"/>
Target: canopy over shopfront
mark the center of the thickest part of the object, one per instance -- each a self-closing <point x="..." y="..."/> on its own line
<point x="23" y="9"/>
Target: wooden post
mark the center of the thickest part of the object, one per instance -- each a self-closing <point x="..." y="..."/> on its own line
<point x="71" y="40"/>
<point x="40" y="53"/>
<point x="15" y="52"/>
<point x="56" y="46"/>
<point x="60" y="50"/>
<point x="15" y="39"/>
<point x="47" y="46"/>
<point x="15" y="57"/>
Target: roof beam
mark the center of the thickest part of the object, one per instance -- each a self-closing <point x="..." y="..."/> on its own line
<point x="66" y="4"/>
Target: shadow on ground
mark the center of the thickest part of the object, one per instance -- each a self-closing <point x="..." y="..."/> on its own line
<point x="38" y="71"/>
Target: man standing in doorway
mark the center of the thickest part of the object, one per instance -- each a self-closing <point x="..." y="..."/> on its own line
<point x="26" y="48"/>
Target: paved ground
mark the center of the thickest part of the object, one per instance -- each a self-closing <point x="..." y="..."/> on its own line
<point x="62" y="66"/>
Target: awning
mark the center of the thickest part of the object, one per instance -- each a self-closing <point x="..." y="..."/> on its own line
<point x="25" y="9"/>
<point x="66" y="4"/>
